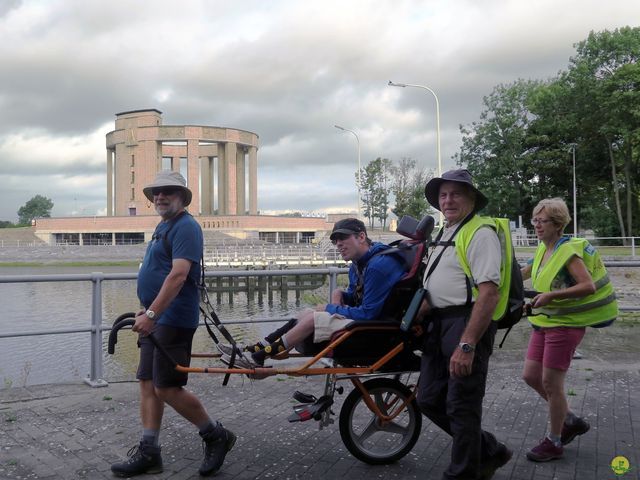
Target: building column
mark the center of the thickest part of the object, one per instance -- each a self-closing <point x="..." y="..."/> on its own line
<point x="205" y="185"/>
<point x="109" y="182"/>
<point x="230" y="160"/>
<point x="227" y="188"/>
<point x="222" y="180"/>
<point x="193" y="172"/>
<point x="253" y="181"/>
<point x="240" y="181"/>
<point x="175" y="164"/>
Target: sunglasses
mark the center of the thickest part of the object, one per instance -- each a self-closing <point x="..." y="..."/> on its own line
<point x="341" y="236"/>
<point x="166" y="191"/>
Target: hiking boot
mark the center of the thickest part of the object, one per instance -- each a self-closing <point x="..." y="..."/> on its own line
<point x="215" y="444"/>
<point x="545" y="451"/>
<point x="143" y="458"/>
<point x="493" y="463"/>
<point x="569" y="432"/>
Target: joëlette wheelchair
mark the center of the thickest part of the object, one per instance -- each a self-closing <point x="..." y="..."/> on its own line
<point x="379" y="420"/>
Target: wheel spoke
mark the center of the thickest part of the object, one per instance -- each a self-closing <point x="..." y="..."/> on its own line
<point x="371" y="428"/>
<point x="393" y="427"/>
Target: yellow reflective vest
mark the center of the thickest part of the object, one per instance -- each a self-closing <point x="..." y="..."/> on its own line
<point x="462" y="241"/>
<point x="599" y="307"/>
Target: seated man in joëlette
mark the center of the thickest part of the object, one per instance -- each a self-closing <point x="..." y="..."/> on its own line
<point x="371" y="278"/>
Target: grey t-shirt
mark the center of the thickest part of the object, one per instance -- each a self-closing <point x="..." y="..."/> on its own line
<point x="446" y="286"/>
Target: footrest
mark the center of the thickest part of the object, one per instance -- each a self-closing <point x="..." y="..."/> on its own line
<point x="304" y="397"/>
<point x="302" y="413"/>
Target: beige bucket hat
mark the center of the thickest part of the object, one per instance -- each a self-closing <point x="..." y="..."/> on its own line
<point x="168" y="178"/>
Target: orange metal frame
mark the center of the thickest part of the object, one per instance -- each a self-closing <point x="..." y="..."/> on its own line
<point x="308" y="369"/>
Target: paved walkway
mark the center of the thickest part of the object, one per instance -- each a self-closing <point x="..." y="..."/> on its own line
<point x="73" y="431"/>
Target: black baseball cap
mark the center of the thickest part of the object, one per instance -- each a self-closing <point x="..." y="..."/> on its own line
<point x="348" y="226"/>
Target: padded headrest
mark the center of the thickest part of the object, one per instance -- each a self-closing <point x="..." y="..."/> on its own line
<point x="426" y="226"/>
<point x="410" y="227"/>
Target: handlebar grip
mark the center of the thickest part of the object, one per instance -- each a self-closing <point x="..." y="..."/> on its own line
<point x="113" y="339"/>
<point x="530" y="293"/>
<point x="113" y="335"/>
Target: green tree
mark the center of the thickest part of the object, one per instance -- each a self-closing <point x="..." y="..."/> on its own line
<point x="497" y="152"/>
<point x="408" y="189"/>
<point x="374" y="190"/>
<point x="521" y="148"/>
<point x="37" y="207"/>
<point x="6" y="224"/>
<point x="606" y="67"/>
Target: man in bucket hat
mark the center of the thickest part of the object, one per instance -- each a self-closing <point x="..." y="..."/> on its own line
<point x="167" y="288"/>
<point x="460" y="334"/>
<point x="371" y="278"/>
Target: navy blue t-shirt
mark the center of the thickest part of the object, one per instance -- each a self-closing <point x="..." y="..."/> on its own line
<point x="185" y="240"/>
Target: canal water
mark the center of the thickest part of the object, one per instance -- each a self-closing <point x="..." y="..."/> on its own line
<point x="63" y="358"/>
<point x="27" y="307"/>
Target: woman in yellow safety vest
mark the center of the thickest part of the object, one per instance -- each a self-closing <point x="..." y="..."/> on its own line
<point x="575" y="292"/>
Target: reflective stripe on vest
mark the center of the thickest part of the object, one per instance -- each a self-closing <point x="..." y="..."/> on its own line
<point x="462" y="241"/>
<point x="598" y="307"/>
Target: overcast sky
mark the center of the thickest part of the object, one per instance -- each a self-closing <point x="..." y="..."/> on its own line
<point x="286" y="70"/>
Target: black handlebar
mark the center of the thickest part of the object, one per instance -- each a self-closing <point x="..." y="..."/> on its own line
<point x="128" y="322"/>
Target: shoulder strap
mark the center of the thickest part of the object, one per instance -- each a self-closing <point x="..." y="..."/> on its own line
<point x="447" y="243"/>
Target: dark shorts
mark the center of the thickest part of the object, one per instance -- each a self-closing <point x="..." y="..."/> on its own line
<point x="154" y="366"/>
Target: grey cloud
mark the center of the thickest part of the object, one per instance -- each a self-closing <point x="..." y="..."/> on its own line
<point x="6" y="6"/>
<point x="287" y="71"/>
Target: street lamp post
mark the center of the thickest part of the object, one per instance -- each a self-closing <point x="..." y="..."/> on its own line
<point x="424" y="87"/>
<point x="358" y="141"/>
<point x="575" y="206"/>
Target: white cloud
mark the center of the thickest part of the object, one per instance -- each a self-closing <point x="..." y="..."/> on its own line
<point x="285" y="69"/>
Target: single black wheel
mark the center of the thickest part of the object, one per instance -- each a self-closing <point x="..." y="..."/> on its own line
<point x="366" y="436"/>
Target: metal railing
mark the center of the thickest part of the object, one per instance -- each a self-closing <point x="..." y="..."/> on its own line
<point x="96" y="328"/>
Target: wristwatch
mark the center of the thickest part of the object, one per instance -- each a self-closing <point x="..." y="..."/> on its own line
<point x="467" y="347"/>
<point x="150" y="314"/>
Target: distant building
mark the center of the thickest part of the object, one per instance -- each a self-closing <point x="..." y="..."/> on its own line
<point x="221" y="168"/>
<point x="220" y="164"/>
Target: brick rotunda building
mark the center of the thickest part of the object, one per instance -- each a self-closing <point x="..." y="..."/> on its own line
<point x="221" y="168"/>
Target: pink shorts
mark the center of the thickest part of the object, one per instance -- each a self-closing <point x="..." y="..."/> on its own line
<point x="554" y="347"/>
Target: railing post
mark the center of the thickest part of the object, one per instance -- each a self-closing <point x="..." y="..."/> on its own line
<point x="333" y="281"/>
<point x="95" y="376"/>
<point x="633" y="246"/>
